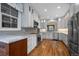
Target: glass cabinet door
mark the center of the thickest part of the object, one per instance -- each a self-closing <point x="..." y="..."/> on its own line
<point x="5" y="8"/>
<point x="14" y="12"/>
<point x="5" y="21"/>
<point x="14" y="23"/>
<point x="9" y="16"/>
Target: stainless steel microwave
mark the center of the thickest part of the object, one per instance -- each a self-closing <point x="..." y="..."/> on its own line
<point x="35" y="24"/>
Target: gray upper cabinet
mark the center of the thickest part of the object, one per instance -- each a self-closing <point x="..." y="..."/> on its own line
<point x="25" y="16"/>
<point x="29" y="15"/>
<point x="19" y="7"/>
<point x="10" y="17"/>
<point x="12" y="4"/>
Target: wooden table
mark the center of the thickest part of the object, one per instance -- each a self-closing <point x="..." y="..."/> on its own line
<point x="50" y="48"/>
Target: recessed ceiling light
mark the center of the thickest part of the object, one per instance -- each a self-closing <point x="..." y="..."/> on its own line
<point x="59" y="19"/>
<point x="45" y="10"/>
<point x="56" y="15"/>
<point x="58" y="7"/>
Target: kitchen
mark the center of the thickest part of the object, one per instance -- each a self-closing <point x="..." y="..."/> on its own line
<point x="23" y="26"/>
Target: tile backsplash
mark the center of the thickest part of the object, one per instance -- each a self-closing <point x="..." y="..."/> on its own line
<point x="11" y="32"/>
<point x="23" y="31"/>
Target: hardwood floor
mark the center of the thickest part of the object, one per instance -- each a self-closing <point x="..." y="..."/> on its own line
<point x="50" y="48"/>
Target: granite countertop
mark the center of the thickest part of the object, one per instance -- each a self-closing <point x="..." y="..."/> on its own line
<point x="13" y="38"/>
<point x="9" y="39"/>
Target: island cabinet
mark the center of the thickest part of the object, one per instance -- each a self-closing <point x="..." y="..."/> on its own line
<point x="18" y="48"/>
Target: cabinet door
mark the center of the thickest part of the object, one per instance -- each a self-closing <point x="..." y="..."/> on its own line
<point x="35" y="16"/>
<point x="75" y="33"/>
<point x="29" y="45"/>
<point x="30" y="20"/>
<point x="78" y="25"/>
<point x="19" y="7"/>
<point x="32" y="42"/>
<point x="12" y="4"/>
<point x="27" y="20"/>
<point x="18" y="48"/>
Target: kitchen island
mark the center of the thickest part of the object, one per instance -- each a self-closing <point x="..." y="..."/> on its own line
<point x="13" y="48"/>
<point x="9" y="44"/>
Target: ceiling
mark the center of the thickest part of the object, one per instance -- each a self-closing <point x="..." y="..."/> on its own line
<point x="51" y="10"/>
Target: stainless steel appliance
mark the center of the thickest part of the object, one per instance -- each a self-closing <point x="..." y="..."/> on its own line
<point x="35" y="24"/>
<point x="73" y="34"/>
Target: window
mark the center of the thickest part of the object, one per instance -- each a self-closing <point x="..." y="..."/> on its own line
<point x="50" y="27"/>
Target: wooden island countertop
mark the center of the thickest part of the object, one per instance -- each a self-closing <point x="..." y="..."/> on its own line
<point x="50" y="48"/>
